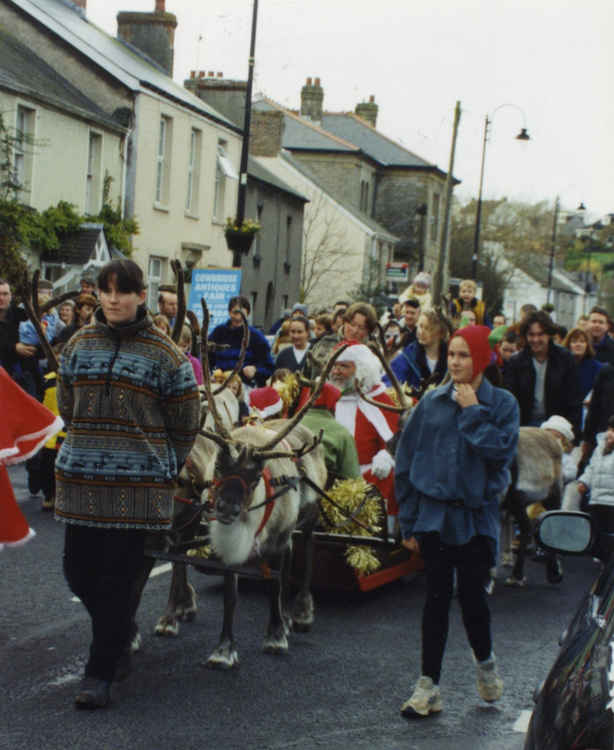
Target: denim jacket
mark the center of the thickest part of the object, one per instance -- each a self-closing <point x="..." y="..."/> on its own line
<point x="452" y="464"/>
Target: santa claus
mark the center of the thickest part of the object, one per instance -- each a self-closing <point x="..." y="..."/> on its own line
<point x="371" y="426"/>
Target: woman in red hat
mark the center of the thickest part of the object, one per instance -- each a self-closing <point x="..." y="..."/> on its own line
<point x="452" y="464"/>
<point x="25" y="427"/>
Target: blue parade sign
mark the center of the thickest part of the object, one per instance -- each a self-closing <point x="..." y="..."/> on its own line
<point x="218" y="286"/>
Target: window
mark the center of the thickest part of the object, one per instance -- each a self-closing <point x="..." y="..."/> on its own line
<point x="163" y="160"/>
<point x="258" y="240"/>
<point x="224" y="170"/>
<point x="364" y="196"/>
<point x="288" y="238"/>
<point x="155" y="274"/>
<point x="435" y="217"/>
<point x="93" y="187"/>
<point x="191" y="203"/>
<point x="22" y="152"/>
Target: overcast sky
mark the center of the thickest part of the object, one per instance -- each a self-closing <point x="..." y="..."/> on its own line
<point x="552" y="59"/>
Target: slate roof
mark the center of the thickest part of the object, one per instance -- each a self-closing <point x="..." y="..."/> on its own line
<point x="259" y="172"/>
<point x="378" y="146"/>
<point x="77" y="247"/>
<point x="23" y="72"/>
<point x="359" y="215"/>
<point x="561" y="280"/>
<point x="120" y="60"/>
<point x="300" y="133"/>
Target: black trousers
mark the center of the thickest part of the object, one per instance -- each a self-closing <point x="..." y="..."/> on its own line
<point x="472" y="562"/>
<point x="106" y="569"/>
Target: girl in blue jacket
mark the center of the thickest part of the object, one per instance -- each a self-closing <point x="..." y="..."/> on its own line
<point x="452" y="464"/>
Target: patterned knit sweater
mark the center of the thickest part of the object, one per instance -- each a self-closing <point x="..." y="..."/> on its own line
<point x="132" y="407"/>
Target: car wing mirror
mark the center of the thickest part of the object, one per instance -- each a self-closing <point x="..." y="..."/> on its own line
<point x="569" y="532"/>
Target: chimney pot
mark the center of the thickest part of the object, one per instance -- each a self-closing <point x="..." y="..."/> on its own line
<point x="160" y="6"/>
<point x="220" y="75"/>
<point x="81" y="4"/>
<point x="372" y="98"/>
<point x="192" y="74"/>
<point x="201" y="73"/>
<point x="309" y="81"/>
<point x="317" y="82"/>
<point x="211" y="74"/>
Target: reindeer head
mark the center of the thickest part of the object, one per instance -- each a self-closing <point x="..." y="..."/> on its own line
<point x="239" y="469"/>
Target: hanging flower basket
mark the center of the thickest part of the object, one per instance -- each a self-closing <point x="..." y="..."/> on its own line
<point x="239" y="238"/>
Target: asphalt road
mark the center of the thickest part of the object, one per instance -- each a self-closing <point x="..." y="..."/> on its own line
<point x="339" y="687"/>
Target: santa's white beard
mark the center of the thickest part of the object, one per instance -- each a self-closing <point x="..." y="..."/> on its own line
<point x="345" y="385"/>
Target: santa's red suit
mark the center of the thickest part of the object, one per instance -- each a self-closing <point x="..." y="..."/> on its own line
<point x="372" y="428"/>
<point x="24" y="428"/>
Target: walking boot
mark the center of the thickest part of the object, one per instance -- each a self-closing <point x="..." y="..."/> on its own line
<point x="490" y="685"/>
<point x="93" y="693"/>
<point x="425" y="700"/>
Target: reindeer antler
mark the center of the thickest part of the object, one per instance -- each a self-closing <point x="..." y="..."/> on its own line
<point x="380" y="404"/>
<point x="239" y="363"/>
<point x="180" y="317"/>
<point x="57" y="301"/>
<point x="33" y="311"/>
<point x="296" y="453"/>
<point x="378" y="351"/>
<point x="223" y="432"/>
<point x="315" y="393"/>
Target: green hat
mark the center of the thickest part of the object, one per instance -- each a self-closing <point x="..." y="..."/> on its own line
<point x="496" y="336"/>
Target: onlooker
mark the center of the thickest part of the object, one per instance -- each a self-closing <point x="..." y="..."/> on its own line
<point x="411" y="313"/>
<point x="185" y="344"/>
<point x="66" y="311"/>
<point x="498" y="320"/>
<point x="323" y="326"/>
<point x="115" y="497"/>
<point x="285" y="314"/>
<point x="598" y="327"/>
<point x="579" y="344"/>
<point x="600" y="410"/>
<point x="560" y="334"/>
<point x="167" y="302"/>
<point x="468" y="318"/>
<point x="161" y="321"/>
<point x="84" y="310"/>
<point x="360" y="321"/>
<point x="258" y="364"/>
<point x="467" y="300"/>
<point x="392" y="339"/>
<point x="543" y="376"/>
<point x="88" y="285"/>
<point x="282" y="339"/>
<point x="582" y="322"/>
<point x="12" y="353"/>
<point x="507" y="348"/>
<point x="299" y="309"/>
<point x="338" y="317"/>
<point x="424" y="360"/>
<point x="293" y="357"/>
<point x="449" y="508"/>
<point x="419" y="289"/>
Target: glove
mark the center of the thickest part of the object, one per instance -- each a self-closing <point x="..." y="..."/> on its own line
<point x="382" y="464"/>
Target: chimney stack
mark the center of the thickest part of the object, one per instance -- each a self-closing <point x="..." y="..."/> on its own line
<point x="312" y="98"/>
<point x="266" y="133"/>
<point x="368" y="111"/>
<point x="227" y="96"/>
<point x="152" y="33"/>
<point x="81" y="6"/>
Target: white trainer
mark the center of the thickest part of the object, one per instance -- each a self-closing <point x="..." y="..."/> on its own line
<point x="425" y="700"/>
<point x="490" y="684"/>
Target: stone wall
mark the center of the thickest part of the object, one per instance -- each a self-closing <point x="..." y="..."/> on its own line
<point x="266" y="133"/>
<point x="339" y="174"/>
<point x="224" y="95"/>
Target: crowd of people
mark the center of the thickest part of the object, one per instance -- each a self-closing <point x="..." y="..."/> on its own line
<point x="130" y="400"/>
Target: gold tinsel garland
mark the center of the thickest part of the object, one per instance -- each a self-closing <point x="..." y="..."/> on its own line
<point x="349" y="494"/>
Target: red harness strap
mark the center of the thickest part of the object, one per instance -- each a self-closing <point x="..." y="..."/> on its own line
<point x="268" y="508"/>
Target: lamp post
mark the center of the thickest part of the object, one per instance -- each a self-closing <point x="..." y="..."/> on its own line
<point x="522" y="136"/>
<point x="237" y="252"/>
<point x="421" y="211"/>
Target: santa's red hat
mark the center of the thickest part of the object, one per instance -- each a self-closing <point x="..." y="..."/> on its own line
<point x="266" y="402"/>
<point x="25" y="426"/>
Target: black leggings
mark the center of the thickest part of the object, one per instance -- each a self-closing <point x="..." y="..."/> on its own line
<point x="103" y="568"/>
<point x="472" y="562"/>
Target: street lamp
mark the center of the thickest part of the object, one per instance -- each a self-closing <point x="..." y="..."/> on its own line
<point x="421" y="211"/>
<point x="522" y="136"/>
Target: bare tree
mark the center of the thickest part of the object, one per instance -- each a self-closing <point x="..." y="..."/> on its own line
<point x="325" y="248"/>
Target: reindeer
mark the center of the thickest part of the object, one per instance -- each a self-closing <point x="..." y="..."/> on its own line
<point x="536" y="477"/>
<point x="259" y="499"/>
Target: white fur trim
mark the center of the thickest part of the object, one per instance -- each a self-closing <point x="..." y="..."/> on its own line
<point x="41" y="438"/>
<point x="30" y="535"/>
<point x="345" y="413"/>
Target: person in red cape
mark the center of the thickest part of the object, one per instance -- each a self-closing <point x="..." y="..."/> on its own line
<point x="371" y="426"/>
<point x="25" y="427"/>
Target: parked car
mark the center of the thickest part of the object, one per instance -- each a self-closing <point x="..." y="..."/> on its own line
<point x="574" y="706"/>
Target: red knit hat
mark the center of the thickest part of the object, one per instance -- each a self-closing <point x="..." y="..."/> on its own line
<point x="329" y="395"/>
<point x="265" y="401"/>
<point x="477" y="341"/>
